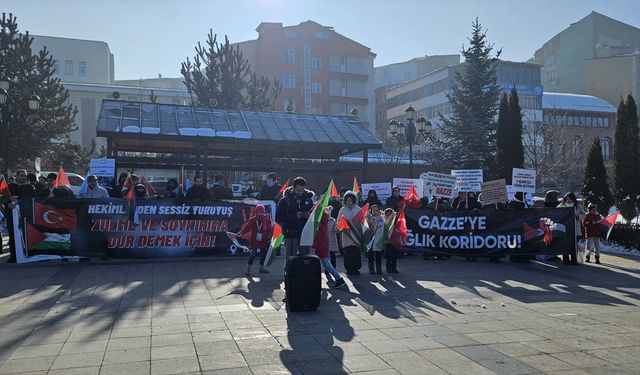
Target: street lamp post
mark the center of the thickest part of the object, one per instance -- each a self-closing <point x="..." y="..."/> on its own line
<point x="407" y="134"/>
<point x="6" y="104"/>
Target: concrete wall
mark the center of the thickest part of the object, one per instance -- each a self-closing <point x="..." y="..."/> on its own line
<point x="613" y="78"/>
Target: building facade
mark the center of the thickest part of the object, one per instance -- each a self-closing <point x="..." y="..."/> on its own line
<point x="321" y="71"/>
<point x="428" y="94"/>
<point x="570" y="124"/>
<point x="86" y="69"/>
<point x="564" y="57"/>
<point x="613" y="78"/>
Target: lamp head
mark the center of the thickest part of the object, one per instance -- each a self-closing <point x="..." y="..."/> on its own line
<point x="34" y="102"/>
<point x="409" y="112"/>
<point x="4" y="95"/>
<point x="4" y="82"/>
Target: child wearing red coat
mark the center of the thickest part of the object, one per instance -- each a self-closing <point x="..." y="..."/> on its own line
<point x="259" y="229"/>
<point x="591" y="232"/>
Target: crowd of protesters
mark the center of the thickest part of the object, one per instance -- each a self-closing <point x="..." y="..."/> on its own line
<point x="294" y="206"/>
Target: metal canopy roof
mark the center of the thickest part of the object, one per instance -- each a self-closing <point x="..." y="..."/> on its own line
<point x="154" y="127"/>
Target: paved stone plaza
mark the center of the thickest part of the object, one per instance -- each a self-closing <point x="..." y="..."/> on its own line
<point x="436" y="317"/>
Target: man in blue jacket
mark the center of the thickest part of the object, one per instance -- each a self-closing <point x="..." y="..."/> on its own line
<point x="292" y="213"/>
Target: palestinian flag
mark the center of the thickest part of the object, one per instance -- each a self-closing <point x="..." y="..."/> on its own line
<point x="276" y="241"/>
<point x="62" y="179"/>
<point x="5" y="193"/>
<point x="606" y="225"/>
<point x="128" y="184"/>
<point x="313" y="222"/>
<point x="343" y="224"/>
<point x="56" y="218"/>
<point x="388" y="229"/>
<point x="37" y="240"/>
<point x="358" y="229"/>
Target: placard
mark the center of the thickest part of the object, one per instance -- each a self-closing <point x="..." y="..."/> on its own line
<point x="405" y="183"/>
<point x="103" y="167"/>
<point x="468" y="179"/>
<point x="494" y="192"/>
<point x="383" y="190"/>
<point x="441" y="185"/>
<point x="524" y="180"/>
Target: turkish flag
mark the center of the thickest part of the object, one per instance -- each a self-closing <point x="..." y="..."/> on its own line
<point x="52" y="217"/>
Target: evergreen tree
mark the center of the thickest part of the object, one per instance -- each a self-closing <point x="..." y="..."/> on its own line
<point x="25" y="135"/>
<point x="220" y="75"/>
<point x="595" y="188"/>
<point x="626" y="159"/>
<point x="502" y="135"/>
<point x="516" y="148"/>
<point x="469" y="133"/>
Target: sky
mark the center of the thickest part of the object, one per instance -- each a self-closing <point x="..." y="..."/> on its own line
<point x="151" y="37"/>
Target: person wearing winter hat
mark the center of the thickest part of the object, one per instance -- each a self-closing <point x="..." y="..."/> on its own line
<point x="591" y="232"/>
<point x="259" y="229"/>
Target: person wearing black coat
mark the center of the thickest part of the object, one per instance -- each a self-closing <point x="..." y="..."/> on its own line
<point x="198" y="190"/>
<point x="172" y="186"/>
<point x="372" y="199"/>
<point x="270" y="188"/>
<point x="395" y="201"/>
<point x="292" y="213"/>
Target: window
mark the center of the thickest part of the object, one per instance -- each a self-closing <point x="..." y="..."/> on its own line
<point x="68" y="67"/>
<point x="343" y="87"/>
<point x="316" y="88"/>
<point x="606" y="122"/>
<point x="288" y="56"/>
<point x="316" y="63"/>
<point x="343" y="64"/>
<point x="606" y="148"/>
<point x="291" y="34"/>
<point x="321" y="35"/>
<point x="289" y="81"/>
<point x="408" y="76"/>
<point x="82" y="68"/>
<point x="387" y="74"/>
<point x="55" y="67"/>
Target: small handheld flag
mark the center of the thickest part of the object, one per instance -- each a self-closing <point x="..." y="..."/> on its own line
<point x="276" y="241"/>
<point x="283" y="188"/>
<point x="62" y="179"/>
<point x="5" y="193"/>
<point x="356" y="187"/>
<point x="150" y="190"/>
<point x="334" y="191"/>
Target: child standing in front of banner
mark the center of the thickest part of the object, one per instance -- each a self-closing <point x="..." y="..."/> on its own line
<point x="591" y="232"/>
<point x="332" y="232"/>
<point x="258" y="229"/>
<point x="376" y="247"/>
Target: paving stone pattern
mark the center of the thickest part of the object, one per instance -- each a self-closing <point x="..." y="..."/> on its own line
<point x="204" y="316"/>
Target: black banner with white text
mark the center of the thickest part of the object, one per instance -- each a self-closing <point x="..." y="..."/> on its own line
<point x="492" y="231"/>
<point x="118" y="228"/>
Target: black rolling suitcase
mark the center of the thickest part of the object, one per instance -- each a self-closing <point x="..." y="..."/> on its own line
<point x="302" y="282"/>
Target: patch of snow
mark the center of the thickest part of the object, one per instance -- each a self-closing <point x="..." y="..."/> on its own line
<point x="611" y="247"/>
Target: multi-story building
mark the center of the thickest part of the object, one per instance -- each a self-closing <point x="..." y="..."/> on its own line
<point x="570" y="124"/>
<point x="428" y="94"/>
<point x="564" y="57"/>
<point x="390" y="75"/>
<point x="321" y="71"/>
<point x="613" y="78"/>
<point x="86" y="70"/>
<point x="78" y="60"/>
